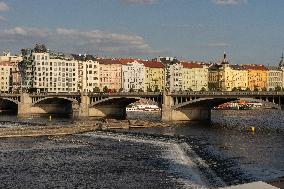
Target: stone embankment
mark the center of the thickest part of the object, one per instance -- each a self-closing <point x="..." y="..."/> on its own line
<point x="34" y="131"/>
<point x="75" y="128"/>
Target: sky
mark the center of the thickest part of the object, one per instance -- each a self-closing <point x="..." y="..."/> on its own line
<point x="250" y="31"/>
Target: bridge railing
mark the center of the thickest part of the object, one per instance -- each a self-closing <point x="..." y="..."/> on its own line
<point x="229" y="93"/>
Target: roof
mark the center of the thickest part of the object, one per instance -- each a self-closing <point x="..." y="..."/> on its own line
<point x="237" y="67"/>
<point x="126" y="60"/>
<point x="83" y="57"/>
<point x="191" y="65"/>
<point x="152" y="64"/>
<point x="109" y="61"/>
<point x="6" y="63"/>
<point x="255" y="67"/>
<point x="273" y="68"/>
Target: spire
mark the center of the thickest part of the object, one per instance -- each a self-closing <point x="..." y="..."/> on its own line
<point x="225" y="61"/>
<point x="281" y="63"/>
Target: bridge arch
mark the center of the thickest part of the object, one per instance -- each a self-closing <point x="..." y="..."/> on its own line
<point x="115" y="106"/>
<point x="210" y="103"/>
<point x="9" y="104"/>
<point x="54" y="105"/>
<point x="38" y="100"/>
<point x="122" y="101"/>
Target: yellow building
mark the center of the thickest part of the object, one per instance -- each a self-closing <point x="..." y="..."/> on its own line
<point x="194" y="76"/>
<point x="227" y="77"/>
<point x="154" y="76"/>
<point x="6" y="76"/>
<point x="257" y="76"/>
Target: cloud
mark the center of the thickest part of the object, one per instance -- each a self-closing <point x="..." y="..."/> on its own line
<point x="218" y="45"/>
<point x="79" y="41"/>
<point x="229" y="2"/>
<point x="141" y="2"/>
<point x="3" y="7"/>
<point x="2" y="18"/>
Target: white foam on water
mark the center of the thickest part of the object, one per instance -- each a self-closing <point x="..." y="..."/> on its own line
<point x="181" y="165"/>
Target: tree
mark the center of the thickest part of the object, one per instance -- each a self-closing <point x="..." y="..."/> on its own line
<point x="114" y="91"/>
<point x="247" y="89"/>
<point x="96" y="90"/>
<point x="120" y="90"/>
<point x="189" y="89"/>
<point x="156" y="89"/>
<point x="239" y="88"/>
<point x="278" y="88"/>
<point x="234" y="89"/>
<point x="131" y="90"/>
<point x="105" y="89"/>
<point x="140" y="90"/>
<point x="255" y="89"/>
<point x="203" y="89"/>
<point x="149" y="89"/>
<point x="264" y="89"/>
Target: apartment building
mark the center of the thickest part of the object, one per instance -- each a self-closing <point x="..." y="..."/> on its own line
<point x="133" y="74"/>
<point x="275" y="78"/>
<point x="195" y="76"/>
<point x="154" y="76"/>
<point x="257" y="76"/>
<point x="110" y="74"/>
<point x="88" y="72"/>
<point x="6" y="76"/>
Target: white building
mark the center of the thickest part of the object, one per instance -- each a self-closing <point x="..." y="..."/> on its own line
<point x="88" y="72"/>
<point x="54" y="72"/>
<point x="133" y="74"/>
<point x="275" y="78"/>
<point x="175" y="76"/>
<point x="5" y="76"/>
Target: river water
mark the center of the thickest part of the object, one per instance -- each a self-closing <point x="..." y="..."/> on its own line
<point x="186" y="155"/>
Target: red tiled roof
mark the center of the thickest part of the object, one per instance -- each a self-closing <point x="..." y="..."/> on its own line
<point x="254" y="67"/>
<point x="191" y="65"/>
<point x="152" y="64"/>
<point x="126" y="60"/>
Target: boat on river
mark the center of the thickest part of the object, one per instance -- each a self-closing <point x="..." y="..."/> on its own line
<point x="143" y="108"/>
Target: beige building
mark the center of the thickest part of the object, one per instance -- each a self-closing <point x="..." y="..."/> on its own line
<point x="110" y="74"/>
<point x="88" y="72"/>
<point x="7" y="57"/>
<point x="154" y="76"/>
<point x="6" y="76"/>
<point x="195" y="76"/>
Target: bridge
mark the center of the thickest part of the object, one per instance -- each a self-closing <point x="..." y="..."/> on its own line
<point x="176" y="106"/>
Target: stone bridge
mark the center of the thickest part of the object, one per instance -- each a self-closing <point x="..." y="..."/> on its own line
<point x="175" y="106"/>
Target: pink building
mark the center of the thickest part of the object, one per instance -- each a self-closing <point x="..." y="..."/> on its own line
<point x="110" y="74"/>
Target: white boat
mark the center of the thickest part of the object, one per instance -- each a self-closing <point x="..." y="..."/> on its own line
<point x="143" y="107"/>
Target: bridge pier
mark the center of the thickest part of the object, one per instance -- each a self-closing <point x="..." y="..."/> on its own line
<point x="24" y="106"/>
<point x="111" y="111"/>
<point x="83" y="111"/>
<point x="183" y="113"/>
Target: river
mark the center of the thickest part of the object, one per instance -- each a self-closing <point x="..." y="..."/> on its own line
<point x="222" y="152"/>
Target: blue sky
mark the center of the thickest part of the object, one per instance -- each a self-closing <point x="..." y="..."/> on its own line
<point x="251" y="31"/>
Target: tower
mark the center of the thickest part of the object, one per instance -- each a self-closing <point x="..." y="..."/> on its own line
<point x="281" y="63"/>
